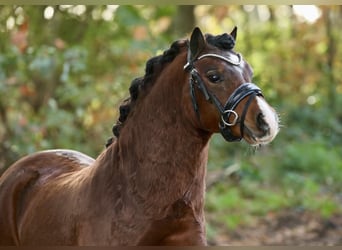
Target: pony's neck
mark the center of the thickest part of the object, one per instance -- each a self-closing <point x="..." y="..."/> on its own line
<point x="160" y="156"/>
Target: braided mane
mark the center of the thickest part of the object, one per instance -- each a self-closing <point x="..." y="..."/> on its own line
<point x="153" y="67"/>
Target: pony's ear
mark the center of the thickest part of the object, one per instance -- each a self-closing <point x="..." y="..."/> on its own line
<point x="233" y="33"/>
<point x="197" y="43"/>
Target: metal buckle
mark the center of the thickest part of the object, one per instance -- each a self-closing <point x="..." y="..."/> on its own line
<point x="186" y="66"/>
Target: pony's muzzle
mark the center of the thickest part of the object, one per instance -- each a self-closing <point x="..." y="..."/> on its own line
<point x="266" y="123"/>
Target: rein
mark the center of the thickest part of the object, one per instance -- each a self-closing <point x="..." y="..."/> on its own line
<point x="244" y="90"/>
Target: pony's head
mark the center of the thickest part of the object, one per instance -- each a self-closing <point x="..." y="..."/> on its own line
<point x="221" y="93"/>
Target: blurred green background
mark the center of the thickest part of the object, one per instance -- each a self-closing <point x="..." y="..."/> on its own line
<point x="65" y="69"/>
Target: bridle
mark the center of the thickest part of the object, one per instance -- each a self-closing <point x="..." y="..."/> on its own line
<point x="244" y="90"/>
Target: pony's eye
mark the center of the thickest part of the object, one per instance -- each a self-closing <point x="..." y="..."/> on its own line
<point x="214" y="76"/>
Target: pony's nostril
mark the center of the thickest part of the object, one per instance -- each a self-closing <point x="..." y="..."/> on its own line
<point x="262" y="124"/>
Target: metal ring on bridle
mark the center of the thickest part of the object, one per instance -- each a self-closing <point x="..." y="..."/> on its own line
<point x="229" y="124"/>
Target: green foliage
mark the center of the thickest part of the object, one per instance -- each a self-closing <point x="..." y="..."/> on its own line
<point x="236" y="205"/>
<point x="304" y="157"/>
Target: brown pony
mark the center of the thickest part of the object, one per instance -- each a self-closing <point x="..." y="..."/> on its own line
<point x="147" y="187"/>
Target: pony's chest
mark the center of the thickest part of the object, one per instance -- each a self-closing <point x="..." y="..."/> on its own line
<point x="182" y="226"/>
